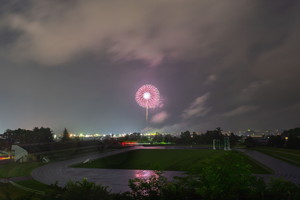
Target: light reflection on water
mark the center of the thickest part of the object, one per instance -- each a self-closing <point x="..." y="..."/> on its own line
<point x="148" y="173"/>
<point x="144" y="173"/>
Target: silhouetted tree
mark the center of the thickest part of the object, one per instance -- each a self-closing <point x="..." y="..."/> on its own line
<point x="196" y="138"/>
<point x="249" y="142"/>
<point x="22" y="136"/>
<point x="43" y="135"/>
<point x="167" y="138"/>
<point x="158" y="138"/>
<point x="293" y="138"/>
<point x="143" y="139"/>
<point x="126" y="137"/>
<point x="135" y="136"/>
<point x="219" y="130"/>
<point x="66" y="136"/>
<point x="233" y="139"/>
<point x="276" y="141"/>
<point x="210" y="135"/>
<point x="185" y="137"/>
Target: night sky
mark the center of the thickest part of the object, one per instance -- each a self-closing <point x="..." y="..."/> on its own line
<point x="77" y="64"/>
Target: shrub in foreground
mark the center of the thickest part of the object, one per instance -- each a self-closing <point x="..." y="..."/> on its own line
<point x="79" y="190"/>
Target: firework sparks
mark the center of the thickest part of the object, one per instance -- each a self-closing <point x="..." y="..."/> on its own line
<point x="147" y="97"/>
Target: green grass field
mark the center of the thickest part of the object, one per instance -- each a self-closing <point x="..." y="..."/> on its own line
<point x="167" y="159"/>
<point x="33" y="184"/>
<point x="17" y="169"/>
<point x="288" y="155"/>
<point x="10" y="192"/>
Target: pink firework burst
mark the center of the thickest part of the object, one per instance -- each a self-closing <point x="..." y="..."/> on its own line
<point x="147" y="96"/>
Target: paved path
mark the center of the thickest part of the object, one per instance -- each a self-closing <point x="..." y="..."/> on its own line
<point x="281" y="169"/>
<point x="115" y="179"/>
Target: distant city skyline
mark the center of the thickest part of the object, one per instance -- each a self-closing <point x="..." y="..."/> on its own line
<point x="236" y="132"/>
<point x="78" y="64"/>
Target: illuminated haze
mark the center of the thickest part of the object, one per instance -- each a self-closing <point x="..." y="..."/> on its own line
<point x="77" y="64"/>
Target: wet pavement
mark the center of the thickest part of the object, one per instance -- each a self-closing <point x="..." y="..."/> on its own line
<point x="281" y="169"/>
<point x="117" y="179"/>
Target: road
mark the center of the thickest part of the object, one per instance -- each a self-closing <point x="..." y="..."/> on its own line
<point x="281" y="169"/>
<point x="117" y="179"/>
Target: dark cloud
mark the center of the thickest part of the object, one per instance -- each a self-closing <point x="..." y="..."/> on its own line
<point x="78" y="64"/>
<point x="197" y="108"/>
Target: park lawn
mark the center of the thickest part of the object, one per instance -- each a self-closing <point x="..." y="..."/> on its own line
<point x="8" y="191"/>
<point x="167" y="159"/>
<point x="288" y="155"/>
<point x="33" y="184"/>
<point x="17" y="169"/>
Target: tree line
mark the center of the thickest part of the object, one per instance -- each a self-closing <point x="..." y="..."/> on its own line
<point x="289" y="138"/>
<point x="185" y="138"/>
<point x="23" y="136"/>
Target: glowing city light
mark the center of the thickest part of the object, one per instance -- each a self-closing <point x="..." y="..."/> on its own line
<point x="4" y="157"/>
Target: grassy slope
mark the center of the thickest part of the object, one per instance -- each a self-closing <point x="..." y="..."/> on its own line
<point x="17" y="169"/>
<point x="289" y="155"/>
<point x="164" y="159"/>
<point x="33" y="184"/>
<point x="8" y="191"/>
